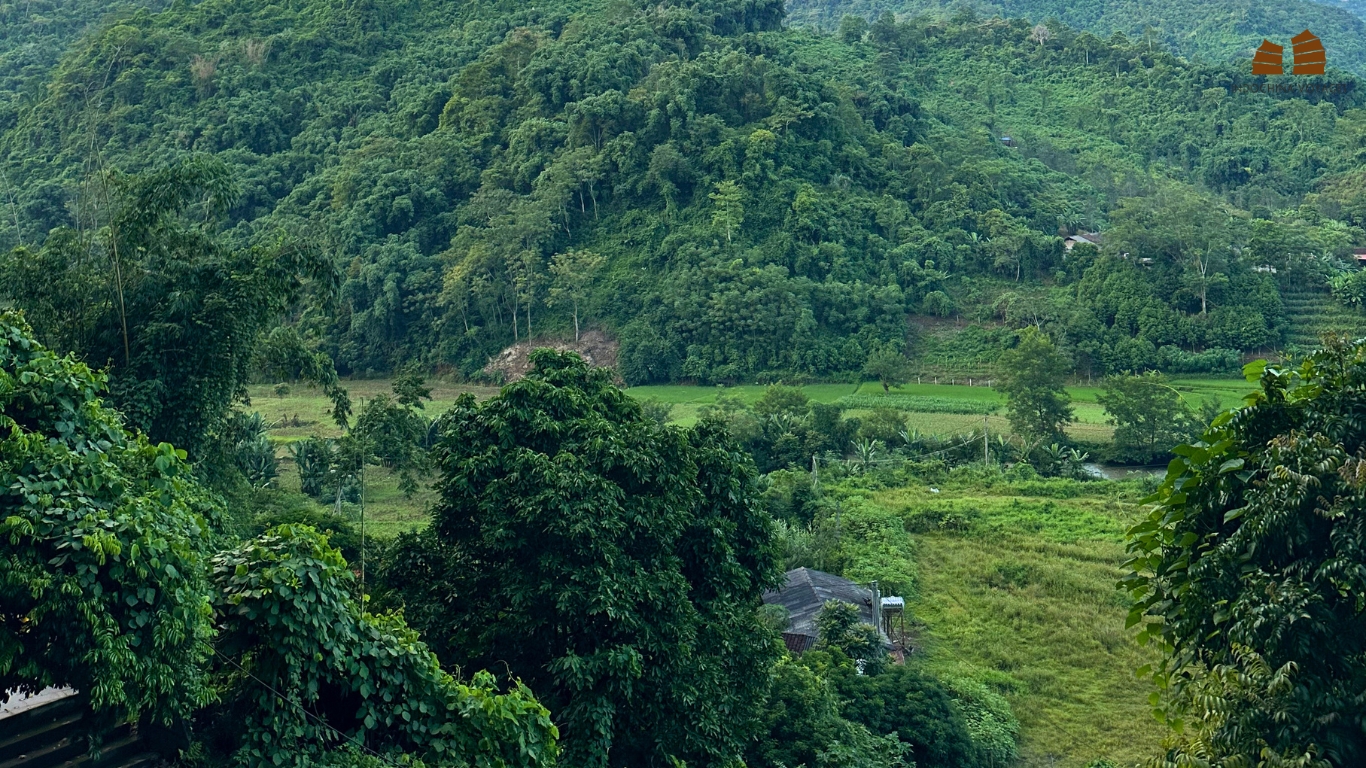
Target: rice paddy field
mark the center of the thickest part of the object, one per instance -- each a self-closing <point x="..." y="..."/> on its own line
<point x="302" y="411"/>
<point x="1009" y="582"/>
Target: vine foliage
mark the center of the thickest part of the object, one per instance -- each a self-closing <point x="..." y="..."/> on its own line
<point x="1250" y="573"/>
<point x="320" y="674"/>
<point x="103" y="541"/>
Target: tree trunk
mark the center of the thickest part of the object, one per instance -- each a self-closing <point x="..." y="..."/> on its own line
<point x="576" y="321"/>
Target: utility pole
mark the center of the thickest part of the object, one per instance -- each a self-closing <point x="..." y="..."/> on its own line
<point x="877" y="609"/>
<point x="986" y="446"/>
<point x="362" y="534"/>
<point x="364" y="456"/>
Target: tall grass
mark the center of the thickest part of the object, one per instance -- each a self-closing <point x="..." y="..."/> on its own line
<point x="1012" y="582"/>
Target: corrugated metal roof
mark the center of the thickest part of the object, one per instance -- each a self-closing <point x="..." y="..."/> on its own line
<point x="804" y="596"/>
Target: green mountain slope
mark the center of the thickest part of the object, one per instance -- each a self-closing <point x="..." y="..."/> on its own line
<point x="1357" y="7"/>
<point x="1223" y="31"/>
<point x="769" y="201"/>
<point x="34" y="35"/>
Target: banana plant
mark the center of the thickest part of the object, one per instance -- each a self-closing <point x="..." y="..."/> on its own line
<point x="865" y="453"/>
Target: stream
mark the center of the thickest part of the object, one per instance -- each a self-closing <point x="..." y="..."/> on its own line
<point x="1123" y="471"/>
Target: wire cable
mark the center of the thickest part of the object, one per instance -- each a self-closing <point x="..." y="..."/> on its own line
<point x="304" y="709"/>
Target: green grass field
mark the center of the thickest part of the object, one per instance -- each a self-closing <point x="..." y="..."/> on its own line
<point x="304" y="412"/>
<point x="1018" y="590"/>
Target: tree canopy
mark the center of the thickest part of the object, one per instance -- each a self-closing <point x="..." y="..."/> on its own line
<point x="1032" y="377"/>
<point x="1248" y="573"/>
<point x="156" y="296"/>
<point x="613" y="564"/>
<point x="1149" y="415"/>
<point x="766" y="201"/>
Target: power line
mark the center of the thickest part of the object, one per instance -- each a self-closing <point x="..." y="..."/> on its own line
<point x="303" y="709"/>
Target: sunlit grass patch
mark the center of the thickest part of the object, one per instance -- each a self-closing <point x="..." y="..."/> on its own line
<point x="1015" y="584"/>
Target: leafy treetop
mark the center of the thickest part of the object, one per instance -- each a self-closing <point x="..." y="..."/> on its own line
<point x="613" y="563"/>
<point x="1249" y="575"/>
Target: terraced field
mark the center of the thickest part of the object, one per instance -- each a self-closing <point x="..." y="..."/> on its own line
<point x="1312" y="313"/>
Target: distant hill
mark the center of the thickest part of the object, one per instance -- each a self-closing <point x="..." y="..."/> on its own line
<point x="768" y="202"/>
<point x="1217" y="31"/>
<point x="34" y="35"/>
<point x="1357" y="7"/>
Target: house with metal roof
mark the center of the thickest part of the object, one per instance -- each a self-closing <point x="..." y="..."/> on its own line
<point x="1082" y="238"/>
<point x="805" y="594"/>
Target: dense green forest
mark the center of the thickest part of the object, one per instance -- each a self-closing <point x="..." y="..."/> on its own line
<point x="767" y="202"/>
<point x="1217" y="32"/>
<point x="242" y="243"/>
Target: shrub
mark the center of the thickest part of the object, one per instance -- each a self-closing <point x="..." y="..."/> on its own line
<point x="992" y="726"/>
<point x="914" y="707"/>
<point x="290" y="621"/>
<point x="102" y="582"/>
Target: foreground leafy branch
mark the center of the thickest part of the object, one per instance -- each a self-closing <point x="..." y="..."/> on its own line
<point x="1251" y="574"/>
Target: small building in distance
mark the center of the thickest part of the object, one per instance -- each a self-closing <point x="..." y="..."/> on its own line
<point x="1089" y="238"/>
<point x="805" y="594"/>
<point x="1006" y="140"/>
<point x="1360" y="255"/>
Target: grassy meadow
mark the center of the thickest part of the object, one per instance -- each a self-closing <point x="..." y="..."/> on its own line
<point x="1009" y="582"/>
<point x="1014" y="584"/>
<point x="303" y="411"/>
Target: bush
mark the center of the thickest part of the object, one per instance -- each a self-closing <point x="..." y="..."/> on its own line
<point x="914" y="707"/>
<point x="885" y="424"/>
<point x="802" y="725"/>
<point x="314" y="459"/>
<point x="290" y="620"/>
<point x="1349" y="288"/>
<point x="1173" y="359"/>
<point x="251" y="451"/>
<point x="992" y="726"/>
<point x="657" y="411"/>
<point x="102" y="582"/>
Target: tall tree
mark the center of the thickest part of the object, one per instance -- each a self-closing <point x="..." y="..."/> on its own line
<point x="1150" y="417"/>
<point x="614" y="564"/>
<point x="575" y="272"/>
<point x="1032" y="375"/>
<point x="177" y="325"/>
<point x="728" y="207"/>
<point x="1250" y="574"/>
<point x="888" y="366"/>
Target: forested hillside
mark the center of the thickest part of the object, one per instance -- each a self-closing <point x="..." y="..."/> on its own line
<point x="36" y="34"/>
<point x="931" y="269"/>
<point x="731" y="199"/>
<point x="1355" y="6"/>
<point x="1225" y="31"/>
